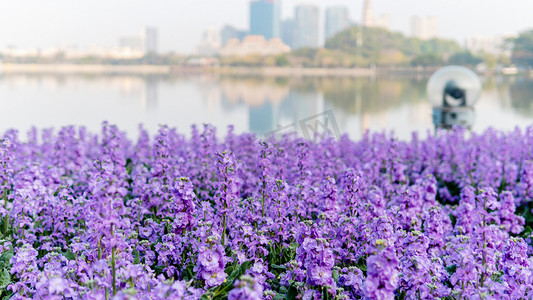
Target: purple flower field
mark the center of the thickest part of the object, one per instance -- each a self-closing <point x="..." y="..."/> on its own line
<point x="98" y="216"/>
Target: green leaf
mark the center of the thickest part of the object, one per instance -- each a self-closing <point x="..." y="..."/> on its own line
<point x="5" y="258"/>
<point x="335" y="275"/>
<point x="402" y="295"/>
<point x="8" y="296"/>
<point x="204" y="297"/>
<point x="527" y="232"/>
<point x="69" y="255"/>
<point x="137" y="258"/>
<point x="451" y="269"/>
<point x="159" y="269"/>
<point x="278" y="267"/>
<point x="361" y="263"/>
<point x="188" y="274"/>
<point x="129" y="166"/>
<point x="293" y="292"/>
<point x="453" y="219"/>
<point x="5" y="279"/>
<point x="233" y="275"/>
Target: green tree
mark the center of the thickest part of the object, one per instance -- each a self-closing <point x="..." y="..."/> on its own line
<point x="522" y="53"/>
<point x="281" y="60"/>
<point x="490" y="60"/>
<point x="464" y="58"/>
<point x="380" y="46"/>
<point x="427" y="59"/>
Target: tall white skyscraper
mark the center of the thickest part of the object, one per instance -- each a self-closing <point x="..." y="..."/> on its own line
<point x="337" y="19"/>
<point x="367" y="14"/>
<point x="306" y="22"/>
<point x="211" y="42"/>
<point x="494" y="44"/>
<point x="149" y="38"/>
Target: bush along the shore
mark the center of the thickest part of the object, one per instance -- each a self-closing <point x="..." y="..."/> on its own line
<point x="97" y="216"/>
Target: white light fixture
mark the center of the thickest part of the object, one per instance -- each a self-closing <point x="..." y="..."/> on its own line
<point x="453" y="91"/>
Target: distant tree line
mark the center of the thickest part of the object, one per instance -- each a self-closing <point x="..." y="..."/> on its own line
<point x="362" y="47"/>
<point x="353" y="47"/>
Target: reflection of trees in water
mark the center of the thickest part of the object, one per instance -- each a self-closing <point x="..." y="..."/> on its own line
<point x="298" y="97"/>
<point x="363" y="95"/>
<point x="291" y="98"/>
<point x="522" y="96"/>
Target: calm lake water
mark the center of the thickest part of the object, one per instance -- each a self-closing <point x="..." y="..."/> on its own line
<point x="257" y="105"/>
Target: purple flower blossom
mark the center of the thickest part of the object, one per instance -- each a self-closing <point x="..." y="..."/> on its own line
<point x="246" y="288"/>
<point x="97" y="215"/>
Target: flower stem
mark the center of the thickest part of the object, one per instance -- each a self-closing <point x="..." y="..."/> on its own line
<point x="100" y="248"/>
<point x="263" y="211"/>
<point x="113" y="270"/>
<point x="6" y="218"/>
<point x="224" y="229"/>
<point x="113" y="267"/>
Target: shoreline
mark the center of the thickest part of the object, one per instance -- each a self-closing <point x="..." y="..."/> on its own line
<point x="82" y="69"/>
<point x="296" y="71"/>
<point x="10" y="68"/>
<point x="100" y="69"/>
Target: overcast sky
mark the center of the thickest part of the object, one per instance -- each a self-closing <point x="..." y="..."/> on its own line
<point x="48" y="23"/>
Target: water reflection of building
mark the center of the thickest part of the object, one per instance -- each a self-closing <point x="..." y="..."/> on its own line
<point x="262" y="97"/>
<point x="149" y="95"/>
<point x="212" y="93"/>
<point x="284" y="116"/>
<point x="254" y="92"/>
<point x="138" y="89"/>
<point x="299" y="105"/>
<point x="261" y="119"/>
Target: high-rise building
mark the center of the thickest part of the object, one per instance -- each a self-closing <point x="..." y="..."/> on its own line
<point x="265" y="18"/>
<point x="211" y="42"/>
<point x="424" y="28"/>
<point x="494" y="44"/>
<point x="367" y="14"/>
<point x="288" y="32"/>
<point x="149" y="38"/>
<point x="229" y="32"/>
<point x="337" y="19"/>
<point x="306" y="22"/>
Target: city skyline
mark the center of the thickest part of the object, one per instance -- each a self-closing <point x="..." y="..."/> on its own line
<point x="180" y="26"/>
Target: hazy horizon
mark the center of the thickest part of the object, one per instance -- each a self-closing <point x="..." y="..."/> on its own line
<point x="100" y="23"/>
